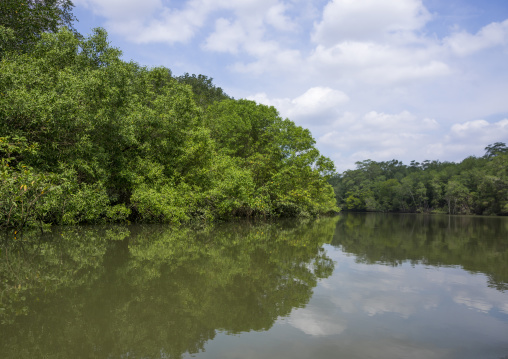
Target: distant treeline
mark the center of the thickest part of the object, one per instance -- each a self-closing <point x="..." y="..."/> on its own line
<point x="477" y="185"/>
<point x="86" y="137"/>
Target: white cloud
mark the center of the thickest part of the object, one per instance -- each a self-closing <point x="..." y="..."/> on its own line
<point x="407" y="72"/>
<point x="173" y="26"/>
<point x="280" y="104"/>
<point x="250" y="34"/>
<point x="274" y="61"/>
<point x="481" y="130"/>
<point x="378" y="136"/>
<point x="276" y="17"/>
<point x="379" y="63"/>
<point x="375" y="131"/>
<point x="348" y="137"/>
<point x="122" y="10"/>
<point x="158" y="21"/>
<point x="242" y="28"/>
<point x="317" y="100"/>
<point x="317" y="106"/>
<point x="467" y="138"/>
<point x="345" y="20"/>
<point x="152" y="20"/>
<point x="463" y="129"/>
<point x="463" y="43"/>
<point x="376" y="122"/>
<point x="226" y="38"/>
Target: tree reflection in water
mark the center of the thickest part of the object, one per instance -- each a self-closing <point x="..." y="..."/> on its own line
<point x="477" y="244"/>
<point x="154" y="291"/>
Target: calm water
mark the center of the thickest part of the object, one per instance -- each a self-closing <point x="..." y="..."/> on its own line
<point x="352" y="286"/>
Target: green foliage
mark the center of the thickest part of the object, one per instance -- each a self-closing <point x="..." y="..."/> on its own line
<point x="288" y="172"/>
<point x="231" y="190"/>
<point x="495" y="149"/>
<point x="7" y="37"/>
<point x="168" y="203"/>
<point x="103" y="140"/>
<point x="24" y="21"/>
<point x="29" y="197"/>
<point x="474" y="186"/>
<point x="205" y="92"/>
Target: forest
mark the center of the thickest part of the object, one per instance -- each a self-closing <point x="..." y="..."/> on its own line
<point x="477" y="185"/>
<point x="86" y="137"/>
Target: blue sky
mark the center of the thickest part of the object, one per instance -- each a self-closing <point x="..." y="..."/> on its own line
<point x="372" y="79"/>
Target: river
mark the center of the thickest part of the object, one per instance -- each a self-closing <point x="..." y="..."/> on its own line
<point x="351" y="286"/>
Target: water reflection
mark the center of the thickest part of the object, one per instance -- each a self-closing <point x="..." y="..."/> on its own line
<point x="408" y="310"/>
<point x="477" y="244"/>
<point x="154" y="292"/>
<point x="353" y="286"/>
<point x="399" y="290"/>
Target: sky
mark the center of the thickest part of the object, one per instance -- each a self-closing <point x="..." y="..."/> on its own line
<point x="371" y="79"/>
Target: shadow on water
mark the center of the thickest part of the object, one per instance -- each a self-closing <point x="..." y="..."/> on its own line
<point x="153" y="291"/>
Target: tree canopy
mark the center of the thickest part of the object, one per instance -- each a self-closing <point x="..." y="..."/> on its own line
<point x="477" y="185"/>
<point x="86" y="137"/>
<point x="22" y="22"/>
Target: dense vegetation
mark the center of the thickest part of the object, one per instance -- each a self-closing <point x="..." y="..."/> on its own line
<point x="86" y="137"/>
<point x="22" y="22"/>
<point x="477" y="185"/>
